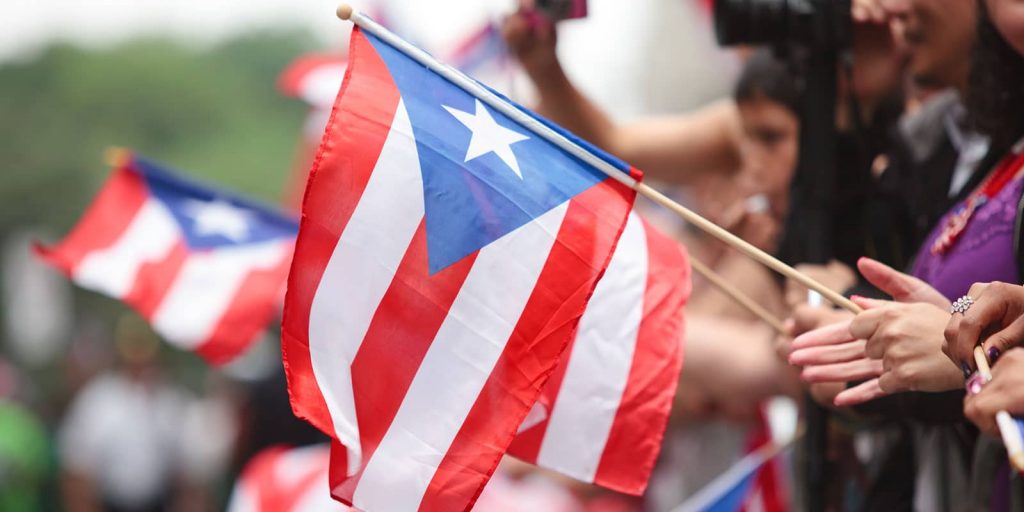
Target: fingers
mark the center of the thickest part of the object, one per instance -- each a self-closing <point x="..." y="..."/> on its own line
<point x="998" y="343"/>
<point x="864" y="325"/>
<point x="828" y="335"/>
<point x="963" y="332"/>
<point x="806" y="318"/>
<point x="981" y="409"/>
<point x="861" y="393"/>
<point x="868" y="303"/>
<point x="902" y="287"/>
<point x="868" y="11"/>
<point x="828" y="354"/>
<point x="843" y="372"/>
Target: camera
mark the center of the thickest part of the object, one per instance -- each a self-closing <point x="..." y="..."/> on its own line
<point x="810" y="24"/>
<point x="559" y="10"/>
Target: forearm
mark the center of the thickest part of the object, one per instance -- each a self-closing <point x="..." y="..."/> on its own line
<point x="673" y="149"/>
<point x="560" y="101"/>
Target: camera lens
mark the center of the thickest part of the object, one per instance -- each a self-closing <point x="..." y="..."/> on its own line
<point x="761" y="21"/>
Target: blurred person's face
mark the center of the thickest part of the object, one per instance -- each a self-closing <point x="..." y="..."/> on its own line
<point x="1008" y="17"/>
<point x="937" y="36"/>
<point x="770" y="148"/>
<point x="878" y="63"/>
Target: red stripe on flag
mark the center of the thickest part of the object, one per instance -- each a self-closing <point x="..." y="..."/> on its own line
<point x="106" y="219"/>
<point x="585" y="240"/>
<point x="403" y="328"/>
<point x="346" y="158"/>
<point x="337" y="470"/>
<point x="250" y="312"/>
<point x="276" y="489"/>
<point x="635" y="438"/>
<point x="526" y="445"/>
<point x="153" y="280"/>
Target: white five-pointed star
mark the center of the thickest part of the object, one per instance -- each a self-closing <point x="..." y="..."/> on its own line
<point x="219" y="218"/>
<point x="489" y="136"/>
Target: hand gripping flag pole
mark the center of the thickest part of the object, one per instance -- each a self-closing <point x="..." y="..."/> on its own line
<point x="1008" y="428"/>
<point x="346" y="12"/>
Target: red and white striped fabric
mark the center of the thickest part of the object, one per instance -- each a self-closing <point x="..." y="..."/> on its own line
<point x="602" y="414"/>
<point x="609" y="401"/>
<point x="205" y="268"/>
<point x="767" y="492"/>
<point x="421" y="323"/>
<point x="283" y="479"/>
<point x="314" y="78"/>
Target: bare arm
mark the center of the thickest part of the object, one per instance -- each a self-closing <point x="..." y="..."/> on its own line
<point x="673" y="149"/>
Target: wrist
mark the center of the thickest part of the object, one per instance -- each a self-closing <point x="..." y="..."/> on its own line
<point x="548" y="76"/>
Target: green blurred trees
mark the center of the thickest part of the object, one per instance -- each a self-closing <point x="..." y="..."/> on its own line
<point x="214" y="113"/>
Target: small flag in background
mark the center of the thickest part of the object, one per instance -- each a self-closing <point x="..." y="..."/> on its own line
<point x="314" y="78"/>
<point x="754" y="484"/>
<point x="610" y="398"/>
<point x="283" y="479"/>
<point x="207" y="269"/>
<point x="482" y="53"/>
<point x="445" y="257"/>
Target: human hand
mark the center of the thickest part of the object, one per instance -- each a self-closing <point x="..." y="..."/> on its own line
<point x="749" y="221"/>
<point x="995" y="321"/>
<point x="896" y="347"/>
<point x="869" y="11"/>
<point x="834" y="275"/>
<point x="806" y="317"/>
<point x="1005" y="392"/>
<point x="532" y="40"/>
<point x="898" y="341"/>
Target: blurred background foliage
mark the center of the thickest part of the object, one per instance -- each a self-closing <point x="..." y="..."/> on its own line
<point x="214" y="113"/>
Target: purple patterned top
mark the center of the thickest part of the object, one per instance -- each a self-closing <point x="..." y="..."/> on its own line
<point x="984" y="251"/>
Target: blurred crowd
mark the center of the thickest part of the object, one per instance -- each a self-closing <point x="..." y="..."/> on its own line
<point x="922" y="229"/>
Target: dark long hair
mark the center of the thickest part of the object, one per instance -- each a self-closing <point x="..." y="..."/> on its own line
<point x="765" y="75"/>
<point x="995" y="98"/>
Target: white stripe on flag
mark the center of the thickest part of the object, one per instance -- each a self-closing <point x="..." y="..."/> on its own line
<point x="359" y="273"/>
<point x="456" y="366"/>
<point x="205" y="288"/>
<point x="599" y="363"/>
<point x="149" y="237"/>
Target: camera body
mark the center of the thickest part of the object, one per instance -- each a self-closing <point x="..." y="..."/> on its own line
<point x="814" y="37"/>
<point x="559" y="10"/>
<point x="810" y="24"/>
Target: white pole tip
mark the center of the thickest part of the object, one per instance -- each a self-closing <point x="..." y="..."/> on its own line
<point x="344" y="11"/>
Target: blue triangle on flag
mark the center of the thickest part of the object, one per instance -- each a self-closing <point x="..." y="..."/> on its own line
<point x="477" y="190"/>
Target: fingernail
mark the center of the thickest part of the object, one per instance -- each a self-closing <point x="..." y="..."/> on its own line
<point x="993" y="354"/>
<point x="855" y="297"/>
<point x="966" y="369"/>
<point x="974" y="384"/>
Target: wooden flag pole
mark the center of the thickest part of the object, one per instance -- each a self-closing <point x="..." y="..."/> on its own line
<point x="735" y="294"/>
<point x="492" y="100"/>
<point x="746" y="247"/>
<point x="1007" y="427"/>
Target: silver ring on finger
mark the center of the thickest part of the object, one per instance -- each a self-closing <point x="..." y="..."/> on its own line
<point x="961" y="305"/>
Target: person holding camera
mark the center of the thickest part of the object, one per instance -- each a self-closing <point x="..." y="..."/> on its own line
<point x="977" y="241"/>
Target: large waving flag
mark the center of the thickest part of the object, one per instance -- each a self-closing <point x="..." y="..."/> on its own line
<point x="446" y="253"/>
<point x="602" y="414"/>
<point x="207" y="269"/>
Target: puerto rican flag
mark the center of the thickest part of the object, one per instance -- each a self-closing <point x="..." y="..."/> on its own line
<point x="284" y="479"/>
<point x="602" y="415"/>
<point x="445" y="256"/>
<point x="207" y="269"/>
